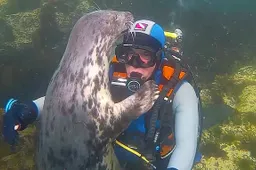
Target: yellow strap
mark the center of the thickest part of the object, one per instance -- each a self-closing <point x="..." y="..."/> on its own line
<point x="170" y="34"/>
<point x="134" y="152"/>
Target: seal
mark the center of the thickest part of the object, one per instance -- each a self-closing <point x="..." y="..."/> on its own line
<point x="79" y="120"/>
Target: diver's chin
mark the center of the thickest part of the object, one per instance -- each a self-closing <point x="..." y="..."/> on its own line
<point x="144" y="78"/>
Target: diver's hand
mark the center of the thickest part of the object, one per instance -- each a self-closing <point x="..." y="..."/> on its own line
<point x="17" y="117"/>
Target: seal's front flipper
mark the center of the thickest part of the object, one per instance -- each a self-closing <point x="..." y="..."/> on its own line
<point x="140" y="102"/>
<point x="144" y="98"/>
<point x="118" y="117"/>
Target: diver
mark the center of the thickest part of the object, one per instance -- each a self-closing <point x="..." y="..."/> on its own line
<point x="166" y="137"/>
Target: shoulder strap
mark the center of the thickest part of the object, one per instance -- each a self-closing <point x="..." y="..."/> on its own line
<point x="157" y="106"/>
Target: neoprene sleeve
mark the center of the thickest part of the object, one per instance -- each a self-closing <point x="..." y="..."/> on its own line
<point x="39" y="103"/>
<point x="185" y="109"/>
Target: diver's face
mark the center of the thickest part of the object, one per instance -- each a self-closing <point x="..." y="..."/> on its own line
<point x="144" y="57"/>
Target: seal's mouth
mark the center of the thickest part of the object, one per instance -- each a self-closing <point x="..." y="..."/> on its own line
<point x="128" y="25"/>
<point x="124" y="31"/>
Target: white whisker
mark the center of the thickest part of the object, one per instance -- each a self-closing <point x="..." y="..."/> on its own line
<point x="130" y="31"/>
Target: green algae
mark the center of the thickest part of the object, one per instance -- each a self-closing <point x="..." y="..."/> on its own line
<point x="23" y="25"/>
<point x="230" y="145"/>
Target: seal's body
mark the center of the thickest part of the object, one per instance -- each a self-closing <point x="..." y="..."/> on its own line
<point x="79" y="118"/>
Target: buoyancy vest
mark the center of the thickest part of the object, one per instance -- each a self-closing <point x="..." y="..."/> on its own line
<point x="157" y="140"/>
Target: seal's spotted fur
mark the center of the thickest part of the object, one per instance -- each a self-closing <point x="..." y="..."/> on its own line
<point x="79" y="119"/>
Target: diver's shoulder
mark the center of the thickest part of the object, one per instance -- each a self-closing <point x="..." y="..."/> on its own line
<point x="185" y="88"/>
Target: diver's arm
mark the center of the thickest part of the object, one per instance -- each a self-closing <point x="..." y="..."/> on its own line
<point x="18" y="115"/>
<point x="185" y="107"/>
<point x="39" y="103"/>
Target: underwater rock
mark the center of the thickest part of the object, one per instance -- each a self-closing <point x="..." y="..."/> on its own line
<point x="214" y="112"/>
<point x="3" y="7"/>
<point x="26" y="38"/>
<point x="231" y="144"/>
<point x="230" y="86"/>
<point x="42" y="27"/>
<point x="8" y="7"/>
<point x="23" y="157"/>
<point x="32" y="43"/>
<point x="235" y="159"/>
<point x="206" y="97"/>
<point x="248" y="99"/>
<point x="245" y="75"/>
<point x="22" y="27"/>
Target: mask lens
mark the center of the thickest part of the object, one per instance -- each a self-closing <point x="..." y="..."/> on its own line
<point x="121" y="53"/>
<point x="136" y="56"/>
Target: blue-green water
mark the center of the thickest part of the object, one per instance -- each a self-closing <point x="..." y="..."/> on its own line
<point x="219" y="43"/>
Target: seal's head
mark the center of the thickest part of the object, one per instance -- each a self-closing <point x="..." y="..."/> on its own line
<point x="103" y="27"/>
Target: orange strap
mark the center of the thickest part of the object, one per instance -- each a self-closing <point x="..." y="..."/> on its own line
<point x="120" y="75"/>
<point x="114" y="60"/>
<point x="168" y="72"/>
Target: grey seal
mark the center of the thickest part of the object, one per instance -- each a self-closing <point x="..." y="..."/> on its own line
<point x="79" y="119"/>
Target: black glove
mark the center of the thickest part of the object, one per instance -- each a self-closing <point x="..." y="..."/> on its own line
<point x="17" y="117"/>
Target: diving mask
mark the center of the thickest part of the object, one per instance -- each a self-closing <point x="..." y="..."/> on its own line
<point x="137" y="55"/>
